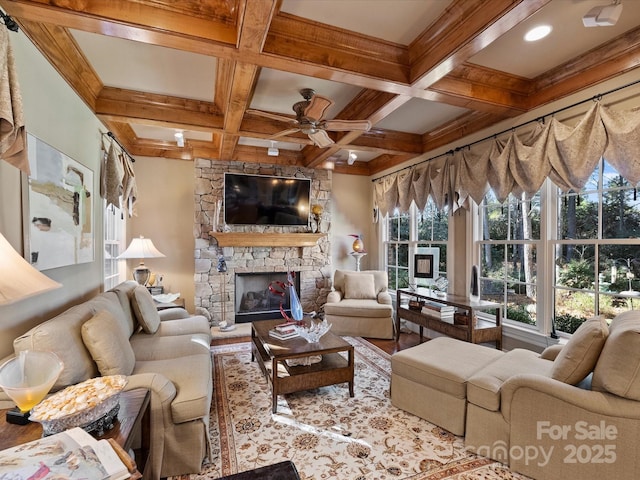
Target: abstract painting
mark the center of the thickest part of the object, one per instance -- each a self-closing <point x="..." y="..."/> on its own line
<point x="59" y="204"/>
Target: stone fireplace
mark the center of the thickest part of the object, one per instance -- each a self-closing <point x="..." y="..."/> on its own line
<point x="256" y="248"/>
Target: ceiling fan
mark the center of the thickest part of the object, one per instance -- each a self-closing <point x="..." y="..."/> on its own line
<point x="309" y="119"/>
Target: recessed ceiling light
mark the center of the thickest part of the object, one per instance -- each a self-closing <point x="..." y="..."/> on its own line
<point x="536" y="33"/>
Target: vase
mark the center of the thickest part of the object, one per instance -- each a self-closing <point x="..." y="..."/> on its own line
<point x="296" y="307"/>
<point x="358" y="245"/>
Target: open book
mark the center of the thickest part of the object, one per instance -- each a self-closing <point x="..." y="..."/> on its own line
<point x="70" y="454"/>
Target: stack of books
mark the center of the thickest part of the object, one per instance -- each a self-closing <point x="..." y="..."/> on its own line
<point x="439" y="310"/>
<point x="284" y="331"/>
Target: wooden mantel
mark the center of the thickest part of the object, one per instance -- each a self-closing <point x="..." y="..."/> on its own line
<point x="255" y="239"/>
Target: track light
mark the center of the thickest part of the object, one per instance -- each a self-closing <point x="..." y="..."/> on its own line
<point x="352" y="157"/>
<point x="603" y="16"/>
<point x="273" y="151"/>
<point x="179" y="138"/>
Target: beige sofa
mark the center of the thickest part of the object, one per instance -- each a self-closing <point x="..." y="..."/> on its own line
<point x="360" y="305"/>
<point x="121" y="332"/>
<point x="572" y="412"/>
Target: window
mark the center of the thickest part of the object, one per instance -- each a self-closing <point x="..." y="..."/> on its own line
<point x="415" y="232"/>
<point x="508" y="254"/>
<point x="114" y="244"/>
<point x="558" y="258"/>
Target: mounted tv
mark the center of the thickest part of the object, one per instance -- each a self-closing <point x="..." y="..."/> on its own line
<point x="266" y="200"/>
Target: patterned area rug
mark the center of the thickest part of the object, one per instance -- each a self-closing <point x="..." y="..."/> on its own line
<point x="326" y="433"/>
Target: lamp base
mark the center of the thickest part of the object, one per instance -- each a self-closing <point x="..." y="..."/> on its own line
<point x="141" y="274"/>
<point x="16" y="417"/>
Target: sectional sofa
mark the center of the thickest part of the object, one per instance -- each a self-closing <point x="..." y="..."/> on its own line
<point x="121" y="332"/>
<point x="572" y="412"/>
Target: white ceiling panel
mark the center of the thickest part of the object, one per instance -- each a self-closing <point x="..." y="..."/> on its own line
<point x="512" y="54"/>
<point x="149" y="68"/>
<point x="167" y="134"/>
<point x="399" y="21"/>
<point x="257" y="142"/>
<point x="419" y="116"/>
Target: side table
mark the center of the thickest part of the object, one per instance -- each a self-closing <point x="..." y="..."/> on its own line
<point x="279" y="471"/>
<point x="178" y="302"/>
<point x="134" y="416"/>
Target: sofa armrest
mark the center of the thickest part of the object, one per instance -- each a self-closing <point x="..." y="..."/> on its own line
<point x="159" y="385"/>
<point x="556" y="393"/>
<point x="551" y="352"/>
<point x="173" y="313"/>
<point x="334" y="296"/>
<point x="384" y="298"/>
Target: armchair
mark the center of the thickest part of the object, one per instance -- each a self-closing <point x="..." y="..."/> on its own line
<point x="360" y="304"/>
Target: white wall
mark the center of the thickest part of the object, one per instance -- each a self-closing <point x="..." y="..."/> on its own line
<point x="56" y="115"/>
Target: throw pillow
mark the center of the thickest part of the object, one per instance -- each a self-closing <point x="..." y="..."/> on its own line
<point x="618" y="368"/>
<point x="108" y="344"/>
<point x="359" y="286"/>
<point x="145" y="309"/>
<point x="578" y="357"/>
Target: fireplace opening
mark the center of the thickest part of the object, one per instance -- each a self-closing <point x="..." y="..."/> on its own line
<point x="253" y="299"/>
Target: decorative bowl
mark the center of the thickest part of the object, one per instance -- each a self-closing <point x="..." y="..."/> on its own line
<point x="91" y="405"/>
<point x="314" y="331"/>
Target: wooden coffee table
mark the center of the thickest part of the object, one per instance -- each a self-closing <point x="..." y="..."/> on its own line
<point x="272" y="356"/>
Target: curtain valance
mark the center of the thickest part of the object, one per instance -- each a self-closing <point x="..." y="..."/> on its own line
<point x="520" y="163"/>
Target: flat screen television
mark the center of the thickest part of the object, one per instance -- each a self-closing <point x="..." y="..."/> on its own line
<point x="266" y="200"/>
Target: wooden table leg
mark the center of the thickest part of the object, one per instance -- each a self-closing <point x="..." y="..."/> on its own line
<point x="274" y="385"/>
<point x="351" y="365"/>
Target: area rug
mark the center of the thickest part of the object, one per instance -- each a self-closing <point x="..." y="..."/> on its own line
<point x="327" y="434"/>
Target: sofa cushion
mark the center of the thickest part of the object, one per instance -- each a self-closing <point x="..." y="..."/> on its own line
<point x="380" y="278"/>
<point x="147" y="346"/>
<point x="145" y="309"/>
<point x="578" y="357"/>
<point x="109" y="301"/>
<point x="61" y="335"/>
<point x="193" y="380"/>
<point x="444" y="364"/>
<point x="106" y="339"/>
<point x="618" y="367"/>
<point x="483" y="388"/>
<point x="359" y="287"/>
<point x="359" y="308"/>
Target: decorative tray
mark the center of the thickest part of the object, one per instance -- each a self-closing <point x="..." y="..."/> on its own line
<point x="92" y="405"/>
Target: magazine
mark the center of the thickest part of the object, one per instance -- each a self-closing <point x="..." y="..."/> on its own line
<point x="67" y="455"/>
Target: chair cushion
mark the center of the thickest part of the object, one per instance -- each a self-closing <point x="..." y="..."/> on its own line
<point x="359" y="308"/>
<point x="618" y="368"/>
<point x="359" y="287"/>
<point x="145" y="309"/>
<point x="578" y="357"/>
<point x="108" y="343"/>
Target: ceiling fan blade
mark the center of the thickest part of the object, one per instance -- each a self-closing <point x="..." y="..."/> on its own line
<point x="344" y="125"/>
<point x="317" y="107"/>
<point x="321" y="138"/>
<point x="284" y="133"/>
<point x="272" y="116"/>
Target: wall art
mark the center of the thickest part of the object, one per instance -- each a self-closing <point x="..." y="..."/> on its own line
<point x="58" y="206"/>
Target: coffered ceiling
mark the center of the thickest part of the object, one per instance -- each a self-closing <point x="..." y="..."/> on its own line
<point x="425" y="73"/>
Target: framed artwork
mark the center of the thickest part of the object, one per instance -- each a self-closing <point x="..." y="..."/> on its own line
<point x="58" y="206"/>
<point x="423" y="265"/>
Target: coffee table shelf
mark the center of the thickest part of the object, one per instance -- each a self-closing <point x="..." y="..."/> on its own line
<point x="272" y="356"/>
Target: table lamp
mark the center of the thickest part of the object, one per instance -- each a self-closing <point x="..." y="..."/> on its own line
<point x="20" y="280"/>
<point x="141" y="248"/>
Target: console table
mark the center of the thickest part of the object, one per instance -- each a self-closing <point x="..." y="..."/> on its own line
<point x="477" y="330"/>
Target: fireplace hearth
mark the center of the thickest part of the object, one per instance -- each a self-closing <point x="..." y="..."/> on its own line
<point x="253" y="299"/>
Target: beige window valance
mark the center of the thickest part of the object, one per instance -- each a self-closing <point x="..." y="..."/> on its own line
<point x="520" y="164"/>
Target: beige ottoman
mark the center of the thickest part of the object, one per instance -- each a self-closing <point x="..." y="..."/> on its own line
<point x="430" y="379"/>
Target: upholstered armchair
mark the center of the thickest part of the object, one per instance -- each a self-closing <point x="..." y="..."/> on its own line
<point x="360" y="304"/>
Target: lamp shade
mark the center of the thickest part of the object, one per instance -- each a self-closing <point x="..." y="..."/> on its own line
<point x="141" y="248"/>
<point x="19" y="279"/>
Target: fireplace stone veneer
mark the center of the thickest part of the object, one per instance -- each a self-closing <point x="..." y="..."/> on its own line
<point x="312" y="262"/>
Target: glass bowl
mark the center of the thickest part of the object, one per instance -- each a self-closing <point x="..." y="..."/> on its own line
<point x="91" y="405"/>
<point x="29" y="376"/>
<point x="314" y="331"/>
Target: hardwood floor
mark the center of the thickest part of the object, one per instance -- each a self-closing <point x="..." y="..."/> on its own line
<point x="390" y="346"/>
